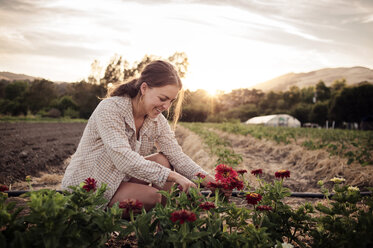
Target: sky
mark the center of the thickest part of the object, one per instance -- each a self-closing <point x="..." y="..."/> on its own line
<point x="229" y="44"/>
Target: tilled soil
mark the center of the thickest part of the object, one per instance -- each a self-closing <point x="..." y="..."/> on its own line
<point x="31" y="148"/>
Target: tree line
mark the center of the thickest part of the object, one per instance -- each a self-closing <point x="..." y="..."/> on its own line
<point x="316" y="104"/>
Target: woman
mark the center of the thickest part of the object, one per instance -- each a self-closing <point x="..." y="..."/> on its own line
<point x="120" y="134"/>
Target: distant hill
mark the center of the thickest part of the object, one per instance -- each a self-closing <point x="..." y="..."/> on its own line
<point x="353" y="75"/>
<point x="13" y="76"/>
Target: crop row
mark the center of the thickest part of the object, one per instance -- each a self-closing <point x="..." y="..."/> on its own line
<point x="354" y="145"/>
<point x="217" y="146"/>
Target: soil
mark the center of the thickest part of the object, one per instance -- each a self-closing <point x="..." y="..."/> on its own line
<point x="33" y="148"/>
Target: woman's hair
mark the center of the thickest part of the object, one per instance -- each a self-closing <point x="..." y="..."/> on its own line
<point x="157" y="73"/>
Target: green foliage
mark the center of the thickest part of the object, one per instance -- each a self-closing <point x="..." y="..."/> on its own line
<point x="73" y="219"/>
<point x="218" y="146"/>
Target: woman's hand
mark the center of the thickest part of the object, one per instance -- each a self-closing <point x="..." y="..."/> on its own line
<point x="184" y="182"/>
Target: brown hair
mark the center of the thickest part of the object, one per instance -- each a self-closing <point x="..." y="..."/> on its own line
<point x="157" y="73"/>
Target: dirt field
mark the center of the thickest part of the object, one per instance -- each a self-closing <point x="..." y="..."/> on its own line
<point x="31" y="148"/>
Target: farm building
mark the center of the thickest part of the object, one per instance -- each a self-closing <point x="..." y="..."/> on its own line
<point x="275" y="120"/>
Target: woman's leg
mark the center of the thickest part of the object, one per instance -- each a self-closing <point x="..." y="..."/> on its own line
<point x="140" y="190"/>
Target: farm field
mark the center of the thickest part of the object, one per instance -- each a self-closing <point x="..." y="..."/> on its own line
<point x="31" y="148"/>
<point x="42" y="150"/>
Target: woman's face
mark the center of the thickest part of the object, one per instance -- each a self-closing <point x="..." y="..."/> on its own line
<point x="158" y="99"/>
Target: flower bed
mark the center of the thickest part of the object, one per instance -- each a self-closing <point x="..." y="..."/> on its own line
<point x="80" y="218"/>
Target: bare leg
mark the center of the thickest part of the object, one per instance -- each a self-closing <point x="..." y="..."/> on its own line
<point x="140" y="190"/>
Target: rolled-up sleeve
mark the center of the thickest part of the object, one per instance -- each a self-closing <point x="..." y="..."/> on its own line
<point x="168" y="145"/>
<point x="110" y="126"/>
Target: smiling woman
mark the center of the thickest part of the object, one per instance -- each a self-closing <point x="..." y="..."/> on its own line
<point x="120" y="135"/>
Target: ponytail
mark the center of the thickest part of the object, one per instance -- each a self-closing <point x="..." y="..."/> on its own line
<point x="130" y="88"/>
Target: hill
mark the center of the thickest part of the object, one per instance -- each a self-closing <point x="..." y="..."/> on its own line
<point x="353" y="75"/>
<point x="14" y="76"/>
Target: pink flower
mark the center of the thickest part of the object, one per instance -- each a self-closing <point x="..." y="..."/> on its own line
<point x="207" y="205"/>
<point x="3" y="188"/>
<point x="131" y="204"/>
<point x="282" y="173"/>
<point x="90" y="184"/>
<point x="257" y="172"/>
<point x="183" y="216"/>
<point x="264" y="208"/>
<point x="253" y="198"/>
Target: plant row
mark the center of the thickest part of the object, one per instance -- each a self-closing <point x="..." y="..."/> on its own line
<point x="218" y="146"/>
<point x="81" y="218"/>
<point x="356" y="146"/>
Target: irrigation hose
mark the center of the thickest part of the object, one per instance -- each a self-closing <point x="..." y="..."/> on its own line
<point x="207" y="192"/>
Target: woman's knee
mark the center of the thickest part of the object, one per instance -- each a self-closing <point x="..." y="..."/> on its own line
<point x="160" y="159"/>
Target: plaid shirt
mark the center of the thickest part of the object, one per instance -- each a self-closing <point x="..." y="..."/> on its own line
<point x="106" y="151"/>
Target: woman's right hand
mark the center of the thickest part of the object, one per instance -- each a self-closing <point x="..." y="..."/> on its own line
<point x="184" y="182"/>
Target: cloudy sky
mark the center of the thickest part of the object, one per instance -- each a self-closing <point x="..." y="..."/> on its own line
<point x="230" y="44"/>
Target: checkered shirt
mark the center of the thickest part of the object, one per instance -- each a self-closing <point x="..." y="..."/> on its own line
<point x="106" y="151"/>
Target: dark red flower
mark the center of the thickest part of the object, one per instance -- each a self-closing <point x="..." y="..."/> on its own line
<point x="217" y="185"/>
<point x="131" y="204"/>
<point x="224" y="173"/>
<point x="257" y="172"/>
<point x="264" y="208"/>
<point x="253" y="198"/>
<point x="90" y="184"/>
<point x="236" y="184"/>
<point x="3" y="188"/>
<point x="183" y="216"/>
<point x="282" y="173"/>
<point x="241" y="172"/>
<point x="200" y="175"/>
<point x="207" y="205"/>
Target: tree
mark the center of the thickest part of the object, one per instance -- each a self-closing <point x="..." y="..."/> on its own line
<point x="353" y="103"/>
<point x="113" y="72"/>
<point x="322" y="91"/>
<point x="319" y="113"/>
<point x="292" y="96"/>
<point x="15" y="90"/>
<point x="302" y="112"/>
<point x="40" y="94"/>
<point x="87" y="97"/>
<point x="95" y="75"/>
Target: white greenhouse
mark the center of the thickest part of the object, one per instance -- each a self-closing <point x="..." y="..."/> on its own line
<point x="283" y="120"/>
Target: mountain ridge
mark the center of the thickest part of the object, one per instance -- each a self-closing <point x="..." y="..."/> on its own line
<point x="352" y="75"/>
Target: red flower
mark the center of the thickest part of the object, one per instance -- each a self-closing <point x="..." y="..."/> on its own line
<point x="234" y="183"/>
<point x="131" y="204"/>
<point x="241" y="172"/>
<point x="90" y="184"/>
<point x="217" y="185"/>
<point x="282" y="173"/>
<point x="3" y="188"/>
<point x="257" y="172"/>
<point x="182" y="216"/>
<point x="207" y="205"/>
<point x="253" y="198"/>
<point x="200" y="175"/>
<point x="264" y="208"/>
<point x="224" y="173"/>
